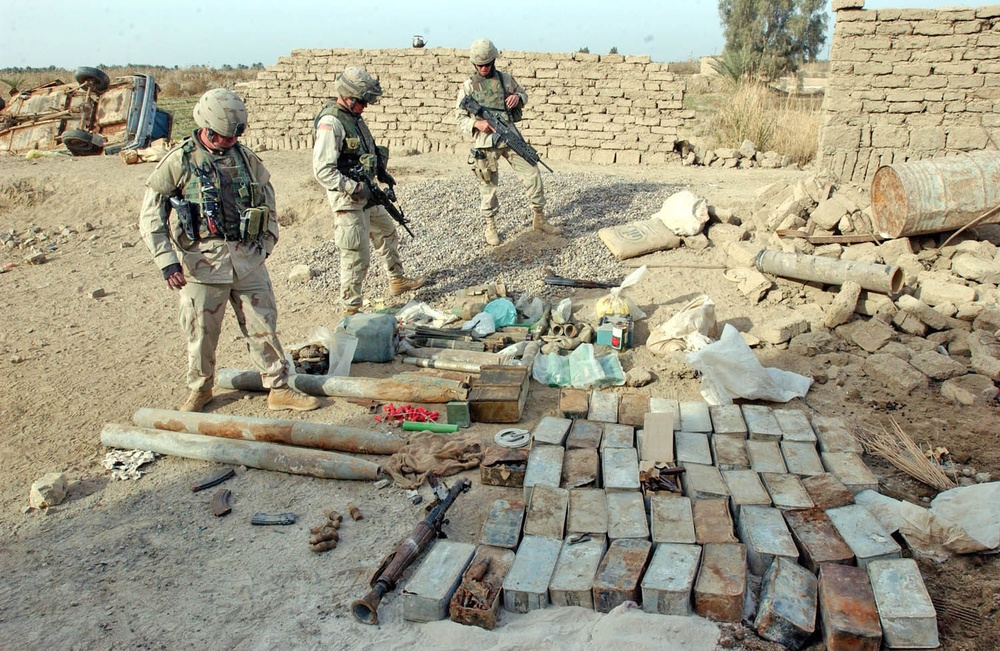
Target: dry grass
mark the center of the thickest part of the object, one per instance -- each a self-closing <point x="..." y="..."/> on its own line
<point x="898" y="448"/>
<point x="173" y="82"/>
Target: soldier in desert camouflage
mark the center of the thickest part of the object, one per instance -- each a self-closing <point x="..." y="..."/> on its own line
<point x="343" y="142"/>
<point x="208" y="218"/>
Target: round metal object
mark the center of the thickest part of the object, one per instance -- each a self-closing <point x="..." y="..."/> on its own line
<point x="512" y="437"/>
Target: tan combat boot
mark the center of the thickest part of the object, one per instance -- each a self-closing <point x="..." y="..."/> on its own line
<point x="402" y="284"/>
<point x="492" y="235"/>
<point x="541" y="224"/>
<point x="197" y="400"/>
<point x="284" y="398"/>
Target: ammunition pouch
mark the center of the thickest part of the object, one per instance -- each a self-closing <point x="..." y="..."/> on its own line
<point x="253" y="223"/>
<point x="483" y="164"/>
<point x="187" y="218"/>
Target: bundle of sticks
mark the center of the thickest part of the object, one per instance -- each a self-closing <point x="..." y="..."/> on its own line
<point x="898" y="448"/>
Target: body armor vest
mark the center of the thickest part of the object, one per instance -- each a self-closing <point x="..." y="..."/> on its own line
<point x="359" y="146"/>
<point x="221" y="189"/>
<point x="491" y="93"/>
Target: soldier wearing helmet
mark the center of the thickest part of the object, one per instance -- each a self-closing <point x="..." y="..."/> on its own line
<point x="208" y="218"/>
<point x="342" y="142"/>
<point x="499" y="93"/>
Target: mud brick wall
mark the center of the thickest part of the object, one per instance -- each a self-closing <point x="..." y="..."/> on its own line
<point x="582" y="107"/>
<point x="909" y="84"/>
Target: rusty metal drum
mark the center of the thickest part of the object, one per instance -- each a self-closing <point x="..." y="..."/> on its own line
<point x="935" y="195"/>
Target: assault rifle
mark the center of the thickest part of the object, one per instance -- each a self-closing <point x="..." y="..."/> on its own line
<point x="379" y="197"/>
<point x="504" y="132"/>
<point x="365" y="610"/>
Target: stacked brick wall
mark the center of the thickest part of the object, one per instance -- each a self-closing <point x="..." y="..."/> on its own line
<point x="909" y="84"/>
<point x="585" y="107"/>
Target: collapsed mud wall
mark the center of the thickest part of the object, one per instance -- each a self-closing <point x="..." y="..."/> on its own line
<point x="909" y="84"/>
<point x="583" y="107"/>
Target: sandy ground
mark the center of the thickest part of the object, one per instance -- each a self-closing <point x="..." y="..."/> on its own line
<point x="145" y="565"/>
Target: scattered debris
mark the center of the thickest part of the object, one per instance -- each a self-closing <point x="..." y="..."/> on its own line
<point x="354" y="511"/>
<point x="127" y="464"/>
<point x="898" y="448"/>
<point x="326" y="535"/>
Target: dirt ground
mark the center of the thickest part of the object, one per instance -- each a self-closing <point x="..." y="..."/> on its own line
<point x="145" y="565"/>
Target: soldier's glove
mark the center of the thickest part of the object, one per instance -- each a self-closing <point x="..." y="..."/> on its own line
<point x="390" y="193"/>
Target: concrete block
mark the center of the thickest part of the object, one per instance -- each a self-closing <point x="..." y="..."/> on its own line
<point x="619" y="573"/>
<point x="544" y="468"/>
<point x="786" y="491"/>
<point x="669" y="579"/>
<point x="970" y="389"/>
<point x="618" y="436"/>
<point x="851" y="470"/>
<point x="502" y="527"/>
<point x="788" y="603"/>
<point x="526" y="586"/>
<point x="603" y="406"/>
<point x="934" y="292"/>
<point x="937" y="366"/>
<point x="848" y="615"/>
<point x="581" y="468"/>
<point x="700" y="481"/>
<point x="671" y="518"/>
<point x="426" y="596"/>
<point x="867" y="335"/>
<point x="585" y="434"/>
<point x="620" y="468"/>
<point x="546" y="513"/>
<point x="574" y="403"/>
<point x="817" y="539"/>
<point x="909" y="620"/>
<point x="745" y="489"/>
<point x="722" y="582"/>
<point x="801" y="458"/>
<point x="632" y="409"/>
<point x="761" y="423"/>
<point x="730" y="452"/>
<point x="551" y="430"/>
<point x="894" y="374"/>
<point x="765" y="456"/>
<point x="667" y="406"/>
<point x="588" y="511"/>
<point x="827" y="491"/>
<point x="695" y="416"/>
<point x="764" y="532"/>
<point x="782" y="329"/>
<point x="573" y="578"/>
<point x="626" y="515"/>
<point x="795" y="426"/>
<point x="728" y="419"/>
<point x="863" y="533"/>
<point x="713" y="523"/>
<point x="833" y="435"/>
<point x="692" y="447"/>
<point x="658" y="437"/>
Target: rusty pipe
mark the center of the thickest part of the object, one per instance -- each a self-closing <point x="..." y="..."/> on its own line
<point x="323" y="436"/>
<point x="443" y="364"/>
<point x="253" y="454"/>
<point x="873" y="277"/>
<point x="428" y="390"/>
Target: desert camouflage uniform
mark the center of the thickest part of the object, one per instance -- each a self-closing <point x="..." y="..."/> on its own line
<point x="489" y="91"/>
<point x="218" y="269"/>
<point x="342" y="137"/>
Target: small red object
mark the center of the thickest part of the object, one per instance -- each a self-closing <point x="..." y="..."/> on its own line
<point x="396" y="415"/>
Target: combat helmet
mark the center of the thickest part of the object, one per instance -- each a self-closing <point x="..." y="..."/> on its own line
<point x="356" y="83"/>
<point x="482" y="52"/>
<point x="222" y="111"/>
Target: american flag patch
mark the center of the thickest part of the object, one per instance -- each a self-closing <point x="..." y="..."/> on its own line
<point x="324" y="126"/>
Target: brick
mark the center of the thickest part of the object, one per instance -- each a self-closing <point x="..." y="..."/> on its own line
<point x="692" y="447"/>
<point x="713" y="523"/>
<point x="658" y="437"/>
<point x="618" y="436"/>
<point x="587" y="512"/>
<point x="669" y="579"/>
<point x="827" y="491"/>
<point x="702" y="481"/>
<point x="603" y="406"/>
<point x="788" y="604"/>
<point x="581" y="468"/>
<point x="620" y="469"/>
<point x="863" y="534"/>
<point x="730" y="453"/>
<point x="721" y="585"/>
<point x="817" y="538"/>
<point x="801" y="458"/>
<point x="728" y="419"/>
<point x="573" y="578"/>
<point x="867" y="335"/>
<point x="544" y="468"/>
<point x="833" y="435"/>
<point x="786" y="491"/>
<point x="761" y="423"/>
<point x="695" y="416"/>
<point x="908" y="617"/>
<point x="795" y="426"/>
<point x="765" y="456"/>
<point x="850" y="469"/>
<point x="551" y="430"/>
<point x="585" y="434"/>
<point x="671" y="519"/>
<point x="546" y="513"/>
<point x="764" y="532"/>
<point x="848" y="614"/>
<point x="632" y="409"/>
<point x="626" y="515"/>
<point x="574" y="403"/>
<point x="526" y="586"/>
<point x="618" y="575"/>
<point x="502" y="527"/>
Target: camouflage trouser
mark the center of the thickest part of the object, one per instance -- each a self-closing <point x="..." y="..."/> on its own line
<point x="488" y="174"/>
<point x="352" y="230"/>
<point x="202" y="309"/>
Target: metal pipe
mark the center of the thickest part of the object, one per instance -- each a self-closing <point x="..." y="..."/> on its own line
<point x="443" y="364"/>
<point x="570" y="330"/>
<point x="323" y="436"/>
<point x="253" y="454"/>
<point x="873" y="277"/>
<point x="428" y="390"/>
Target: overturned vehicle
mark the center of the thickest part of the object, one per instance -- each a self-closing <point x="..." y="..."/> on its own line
<point x="94" y="115"/>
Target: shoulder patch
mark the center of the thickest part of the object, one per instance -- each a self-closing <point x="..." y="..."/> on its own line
<point x="324" y="126"/>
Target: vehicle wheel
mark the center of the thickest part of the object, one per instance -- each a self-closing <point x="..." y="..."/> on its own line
<point x="96" y="77"/>
<point x="2" y="103"/>
<point x="79" y="142"/>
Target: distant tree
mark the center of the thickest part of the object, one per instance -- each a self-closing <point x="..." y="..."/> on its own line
<point x="613" y="50"/>
<point x="584" y="50"/>
<point x="779" y="35"/>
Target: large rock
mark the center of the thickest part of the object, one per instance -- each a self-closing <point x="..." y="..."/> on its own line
<point x="894" y="374"/>
<point x="782" y="329"/>
<point x="988" y="319"/>
<point x="985" y="349"/>
<point x="923" y="311"/>
<point x="937" y="366"/>
<point x="843" y="306"/>
<point x="975" y="268"/>
<point x="811" y="344"/>
<point x="867" y="335"/>
<point x="48" y="491"/>
<point x="970" y="390"/>
<point x="934" y="292"/>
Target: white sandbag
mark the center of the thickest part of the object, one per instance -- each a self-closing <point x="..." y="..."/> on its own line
<point x="692" y="328"/>
<point x="638" y="238"/>
<point x="684" y="213"/>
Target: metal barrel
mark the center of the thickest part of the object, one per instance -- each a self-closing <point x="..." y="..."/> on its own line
<point x="935" y="195"/>
<point x="253" y="454"/>
<point x="873" y="277"/>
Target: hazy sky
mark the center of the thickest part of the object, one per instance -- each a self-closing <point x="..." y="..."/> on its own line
<point x="67" y="34"/>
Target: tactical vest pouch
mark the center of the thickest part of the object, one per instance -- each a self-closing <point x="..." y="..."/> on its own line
<point x="252" y="223"/>
<point x="185" y="217"/>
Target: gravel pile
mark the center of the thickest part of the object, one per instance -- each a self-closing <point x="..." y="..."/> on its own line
<point x="450" y="251"/>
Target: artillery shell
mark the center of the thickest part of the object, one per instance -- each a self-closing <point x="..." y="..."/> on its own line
<point x="331" y="514"/>
<point x="354" y="511"/>
<point x="323" y="546"/>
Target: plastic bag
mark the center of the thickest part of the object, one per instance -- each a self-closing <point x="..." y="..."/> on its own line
<point x="584" y="369"/>
<point x="419" y="313"/>
<point x="614" y="375"/>
<point x="481" y="325"/>
<point x="340" y="345"/>
<point x="729" y="369"/>
<point x="692" y="328"/>
<point x="561" y="313"/>
<point x="531" y="308"/>
<point x="551" y="370"/>
<point x="684" y="212"/>
<point x="614" y="304"/>
<point x="503" y="312"/>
